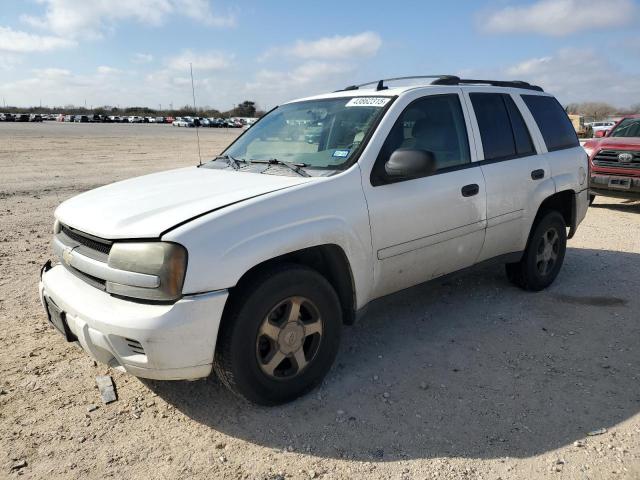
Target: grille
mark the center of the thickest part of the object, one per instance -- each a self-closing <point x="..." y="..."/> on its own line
<point x="92" y="243"/>
<point x="609" y="158"/>
<point x="90" y="279"/>
<point x="135" y="346"/>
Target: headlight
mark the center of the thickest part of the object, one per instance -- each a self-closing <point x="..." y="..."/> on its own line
<point x="167" y="261"/>
<point x="589" y="151"/>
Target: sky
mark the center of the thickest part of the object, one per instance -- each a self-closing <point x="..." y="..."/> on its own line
<point x="137" y="52"/>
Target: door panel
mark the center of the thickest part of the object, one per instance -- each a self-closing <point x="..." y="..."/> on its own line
<point x="426" y="227"/>
<point x="508" y="157"/>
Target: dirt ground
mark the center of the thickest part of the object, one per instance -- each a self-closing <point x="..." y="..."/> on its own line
<point x="463" y="378"/>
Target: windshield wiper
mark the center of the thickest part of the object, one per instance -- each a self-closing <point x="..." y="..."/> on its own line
<point x="296" y="167"/>
<point x="232" y="162"/>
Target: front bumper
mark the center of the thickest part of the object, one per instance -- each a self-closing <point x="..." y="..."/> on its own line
<point x="599" y="185"/>
<point x="163" y="342"/>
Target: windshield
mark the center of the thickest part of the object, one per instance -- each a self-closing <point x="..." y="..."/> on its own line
<point x="629" y="127"/>
<point x="315" y="134"/>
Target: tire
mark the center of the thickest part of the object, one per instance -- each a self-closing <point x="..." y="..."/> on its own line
<point x="259" y="328"/>
<point x="591" y="199"/>
<point x="540" y="263"/>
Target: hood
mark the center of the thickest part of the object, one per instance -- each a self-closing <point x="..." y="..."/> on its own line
<point x="145" y="207"/>
<point x="616" y="143"/>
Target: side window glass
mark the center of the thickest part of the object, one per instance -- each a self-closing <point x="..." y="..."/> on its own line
<point x="552" y="120"/>
<point x="521" y="135"/>
<point x="435" y="124"/>
<point x="495" y="126"/>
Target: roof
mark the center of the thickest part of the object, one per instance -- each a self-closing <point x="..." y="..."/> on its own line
<point x="379" y="88"/>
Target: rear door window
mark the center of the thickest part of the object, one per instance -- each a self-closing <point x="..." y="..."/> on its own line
<point x="521" y="135"/>
<point x="552" y="120"/>
<point x="495" y="124"/>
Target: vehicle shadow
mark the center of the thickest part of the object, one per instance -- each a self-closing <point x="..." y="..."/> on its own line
<point x="463" y="367"/>
<point x="629" y="206"/>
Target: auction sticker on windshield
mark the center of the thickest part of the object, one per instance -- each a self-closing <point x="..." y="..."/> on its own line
<point x="368" y="102"/>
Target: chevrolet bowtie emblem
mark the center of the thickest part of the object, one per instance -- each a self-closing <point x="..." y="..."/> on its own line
<point x="66" y="255"/>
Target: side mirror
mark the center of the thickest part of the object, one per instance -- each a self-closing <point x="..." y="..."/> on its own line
<point x="601" y="133"/>
<point x="408" y="163"/>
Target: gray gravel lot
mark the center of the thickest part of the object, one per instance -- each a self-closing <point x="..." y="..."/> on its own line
<point x="466" y="377"/>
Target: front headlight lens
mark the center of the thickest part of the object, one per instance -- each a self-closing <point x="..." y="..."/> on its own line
<point x="589" y="151"/>
<point x="167" y="261"/>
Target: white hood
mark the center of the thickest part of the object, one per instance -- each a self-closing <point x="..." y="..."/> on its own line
<point x="144" y="207"/>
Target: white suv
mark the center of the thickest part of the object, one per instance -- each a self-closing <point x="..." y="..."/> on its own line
<point x="251" y="263"/>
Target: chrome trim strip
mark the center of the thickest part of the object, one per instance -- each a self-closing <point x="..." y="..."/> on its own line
<point x="95" y="268"/>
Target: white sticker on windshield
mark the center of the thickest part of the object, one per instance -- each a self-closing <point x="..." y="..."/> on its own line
<point x="368" y="102"/>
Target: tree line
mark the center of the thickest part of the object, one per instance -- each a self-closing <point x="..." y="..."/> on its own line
<point x="244" y="109"/>
<point x="600" y="110"/>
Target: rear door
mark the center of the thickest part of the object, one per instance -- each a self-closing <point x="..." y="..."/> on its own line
<point x="514" y="171"/>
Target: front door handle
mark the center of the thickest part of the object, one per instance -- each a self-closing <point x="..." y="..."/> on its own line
<point x="537" y="174"/>
<point x="470" y="190"/>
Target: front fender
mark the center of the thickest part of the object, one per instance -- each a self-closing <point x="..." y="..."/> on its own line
<point x="224" y="245"/>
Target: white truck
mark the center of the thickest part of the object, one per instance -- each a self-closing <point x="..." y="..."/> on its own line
<point x="250" y="264"/>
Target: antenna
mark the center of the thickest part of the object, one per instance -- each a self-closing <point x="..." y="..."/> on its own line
<point x="195" y="112"/>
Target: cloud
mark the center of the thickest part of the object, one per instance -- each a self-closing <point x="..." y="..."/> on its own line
<point x="105" y="70"/>
<point x="92" y="19"/>
<point x="200" y="10"/>
<point x="201" y="61"/>
<point x="576" y="75"/>
<point x="270" y="86"/>
<point x="142" y="58"/>
<point x="14" y="41"/>
<point x="560" y="17"/>
<point x="338" y="47"/>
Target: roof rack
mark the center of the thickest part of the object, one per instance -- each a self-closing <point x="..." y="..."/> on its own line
<point x="448" y="80"/>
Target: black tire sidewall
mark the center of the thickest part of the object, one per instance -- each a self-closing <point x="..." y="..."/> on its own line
<point x="534" y="279"/>
<point x="249" y="379"/>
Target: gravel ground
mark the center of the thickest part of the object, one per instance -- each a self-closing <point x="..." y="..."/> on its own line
<point x="462" y="378"/>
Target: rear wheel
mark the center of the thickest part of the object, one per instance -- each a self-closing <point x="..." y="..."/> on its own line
<point x="280" y="335"/>
<point x="543" y="256"/>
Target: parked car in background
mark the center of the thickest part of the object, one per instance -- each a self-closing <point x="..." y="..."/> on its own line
<point x="35" y="117"/>
<point x="602" y="127"/>
<point x="21" y="117"/>
<point x="7" y="117"/>
<point x="158" y="120"/>
<point x="182" y="122"/>
<point x="169" y="119"/>
<point x="615" y="161"/>
<point x="81" y="119"/>
<point x="250" y="264"/>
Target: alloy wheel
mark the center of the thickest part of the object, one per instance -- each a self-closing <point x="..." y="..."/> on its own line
<point x="289" y="338"/>
<point x="547" y="251"/>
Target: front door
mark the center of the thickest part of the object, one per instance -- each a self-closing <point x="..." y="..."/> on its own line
<point x="426" y="227"/>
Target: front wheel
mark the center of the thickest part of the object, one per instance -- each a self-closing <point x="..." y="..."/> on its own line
<point x="543" y="256"/>
<point x="280" y="335"/>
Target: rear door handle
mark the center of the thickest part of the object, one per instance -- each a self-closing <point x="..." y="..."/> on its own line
<point x="537" y="174"/>
<point x="470" y="190"/>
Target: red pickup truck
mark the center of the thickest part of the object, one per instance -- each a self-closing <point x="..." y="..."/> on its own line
<point x="614" y="161"/>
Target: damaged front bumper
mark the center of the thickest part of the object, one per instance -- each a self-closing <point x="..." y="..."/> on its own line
<point x="159" y="341"/>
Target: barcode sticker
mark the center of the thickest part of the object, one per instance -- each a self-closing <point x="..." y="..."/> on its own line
<point x="368" y="102"/>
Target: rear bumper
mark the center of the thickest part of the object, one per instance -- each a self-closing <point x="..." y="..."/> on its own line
<point x="599" y="185"/>
<point x="176" y="341"/>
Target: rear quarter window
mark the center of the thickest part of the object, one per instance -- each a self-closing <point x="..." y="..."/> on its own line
<point x="556" y="128"/>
